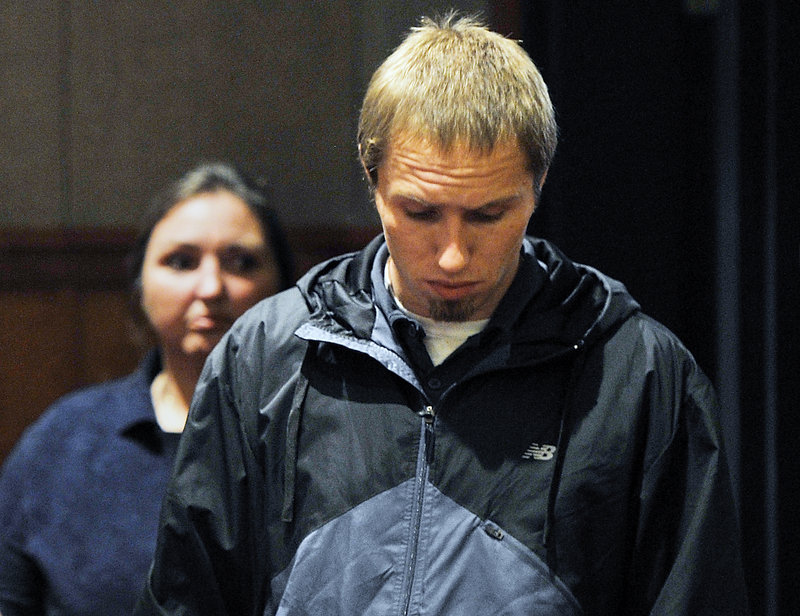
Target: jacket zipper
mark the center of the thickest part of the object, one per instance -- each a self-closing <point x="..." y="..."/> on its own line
<point x="428" y="416"/>
<point x="424" y="461"/>
<point x="423" y="466"/>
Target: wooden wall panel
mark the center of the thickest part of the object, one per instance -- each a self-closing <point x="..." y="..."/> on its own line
<point x="108" y="337"/>
<point x="52" y="342"/>
<point x="38" y="355"/>
<point x="65" y="318"/>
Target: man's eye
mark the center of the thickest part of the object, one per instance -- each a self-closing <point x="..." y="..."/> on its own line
<point x="180" y="261"/>
<point x="484" y="217"/>
<point x="423" y="215"/>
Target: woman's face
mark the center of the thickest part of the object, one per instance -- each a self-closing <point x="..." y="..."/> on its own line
<point x="207" y="261"/>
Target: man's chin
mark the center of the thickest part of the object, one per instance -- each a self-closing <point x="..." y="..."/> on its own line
<point x="452" y="311"/>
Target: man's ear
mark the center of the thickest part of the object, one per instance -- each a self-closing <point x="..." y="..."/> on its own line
<point x="542" y="179"/>
<point x="364" y="167"/>
<point x="537" y="187"/>
<point x="372" y="175"/>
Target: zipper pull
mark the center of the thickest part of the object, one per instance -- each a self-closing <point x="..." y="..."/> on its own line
<point x="428" y="416"/>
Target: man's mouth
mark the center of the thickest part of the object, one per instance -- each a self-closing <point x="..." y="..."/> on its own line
<point x="452" y="290"/>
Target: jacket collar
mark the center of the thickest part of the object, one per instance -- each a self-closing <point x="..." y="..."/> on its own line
<point x="551" y="300"/>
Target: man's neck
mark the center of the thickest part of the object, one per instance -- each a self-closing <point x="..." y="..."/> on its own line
<point x="441" y="337"/>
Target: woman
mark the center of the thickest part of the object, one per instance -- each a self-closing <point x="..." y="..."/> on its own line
<point x="81" y="492"/>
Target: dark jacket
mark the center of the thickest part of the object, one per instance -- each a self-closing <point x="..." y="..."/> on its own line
<point x="565" y="460"/>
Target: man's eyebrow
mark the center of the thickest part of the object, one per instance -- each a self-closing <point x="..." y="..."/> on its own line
<point x="501" y="201"/>
<point x="414" y="199"/>
<point x="489" y="204"/>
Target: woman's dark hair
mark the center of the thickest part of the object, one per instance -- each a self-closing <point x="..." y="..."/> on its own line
<point x="209" y="178"/>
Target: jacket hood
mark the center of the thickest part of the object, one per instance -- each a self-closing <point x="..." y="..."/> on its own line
<point x="576" y="303"/>
<point x="338" y="291"/>
<point x="573" y="303"/>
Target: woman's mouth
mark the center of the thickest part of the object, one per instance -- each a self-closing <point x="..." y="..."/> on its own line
<point x="208" y="323"/>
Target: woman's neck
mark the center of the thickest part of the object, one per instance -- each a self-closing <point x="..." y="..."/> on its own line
<point x="172" y="391"/>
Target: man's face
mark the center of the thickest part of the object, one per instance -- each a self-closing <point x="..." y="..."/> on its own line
<point x="454" y="223"/>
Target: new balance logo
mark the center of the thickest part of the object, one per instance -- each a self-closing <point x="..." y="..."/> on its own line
<point x="539" y="452"/>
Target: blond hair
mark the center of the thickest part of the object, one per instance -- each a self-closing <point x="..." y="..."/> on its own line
<point x="455" y="81"/>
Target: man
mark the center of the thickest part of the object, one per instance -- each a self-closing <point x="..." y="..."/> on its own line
<point x="457" y="419"/>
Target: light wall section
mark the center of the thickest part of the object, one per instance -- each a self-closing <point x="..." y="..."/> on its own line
<point x="30" y="74"/>
<point x="105" y="102"/>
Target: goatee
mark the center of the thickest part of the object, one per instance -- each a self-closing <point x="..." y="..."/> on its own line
<point x="452" y="311"/>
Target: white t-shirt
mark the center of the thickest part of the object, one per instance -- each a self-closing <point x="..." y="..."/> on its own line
<point x="441" y="337"/>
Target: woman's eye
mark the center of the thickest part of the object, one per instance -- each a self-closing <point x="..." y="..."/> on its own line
<point x="180" y="261"/>
<point x="241" y="263"/>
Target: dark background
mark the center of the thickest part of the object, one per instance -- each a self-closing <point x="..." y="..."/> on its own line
<point x="677" y="173"/>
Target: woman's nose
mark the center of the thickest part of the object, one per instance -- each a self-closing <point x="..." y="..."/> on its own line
<point x="209" y="283"/>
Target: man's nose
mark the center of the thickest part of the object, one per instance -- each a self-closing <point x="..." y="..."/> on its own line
<point x="454" y="255"/>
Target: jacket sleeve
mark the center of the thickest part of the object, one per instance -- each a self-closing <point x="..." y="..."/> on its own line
<point x="687" y="559"/>
<point x="207" y="558"/>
